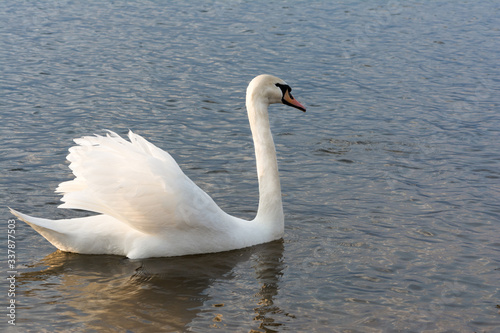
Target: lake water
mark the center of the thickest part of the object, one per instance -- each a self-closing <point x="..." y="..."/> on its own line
<point x="391" y="179"/>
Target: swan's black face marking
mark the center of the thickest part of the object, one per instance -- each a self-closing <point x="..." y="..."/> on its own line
<point x="284" y="88"/>
<point x="287" y="97"/>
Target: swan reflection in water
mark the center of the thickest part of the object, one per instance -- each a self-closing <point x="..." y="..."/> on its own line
<point x="116" y="294"/>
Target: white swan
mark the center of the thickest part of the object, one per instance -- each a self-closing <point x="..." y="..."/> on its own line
<point x="149" y="208"/>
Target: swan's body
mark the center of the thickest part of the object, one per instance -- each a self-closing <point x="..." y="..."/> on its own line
<point x="149" y="208"/>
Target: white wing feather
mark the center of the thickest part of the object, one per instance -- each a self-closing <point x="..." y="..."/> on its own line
<point x="137" y="183"/>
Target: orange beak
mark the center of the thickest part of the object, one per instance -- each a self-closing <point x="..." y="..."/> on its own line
<point x="289" y="100"/>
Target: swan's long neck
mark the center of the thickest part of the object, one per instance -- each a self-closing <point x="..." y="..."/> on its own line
<point x="270" y="211"/>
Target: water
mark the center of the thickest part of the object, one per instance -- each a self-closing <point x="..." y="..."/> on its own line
<point x="390" y="180"/>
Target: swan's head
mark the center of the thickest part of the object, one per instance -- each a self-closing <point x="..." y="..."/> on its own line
<point x="272" y="90"/>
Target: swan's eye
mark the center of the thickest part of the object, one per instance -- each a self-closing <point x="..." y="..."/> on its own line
<point x="284" y="88"/>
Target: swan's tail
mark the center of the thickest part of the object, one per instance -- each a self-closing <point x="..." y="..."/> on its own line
<point x="47" y="228"/>
<point x="90" y="235"/>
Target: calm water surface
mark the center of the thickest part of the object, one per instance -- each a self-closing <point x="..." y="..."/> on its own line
<point x="390" y="180"/>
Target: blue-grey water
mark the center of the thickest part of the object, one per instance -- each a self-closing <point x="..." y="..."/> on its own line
<point x="391" y="179"/>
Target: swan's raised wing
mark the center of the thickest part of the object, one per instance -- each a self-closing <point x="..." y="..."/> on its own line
<point x="135" y="182"/>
